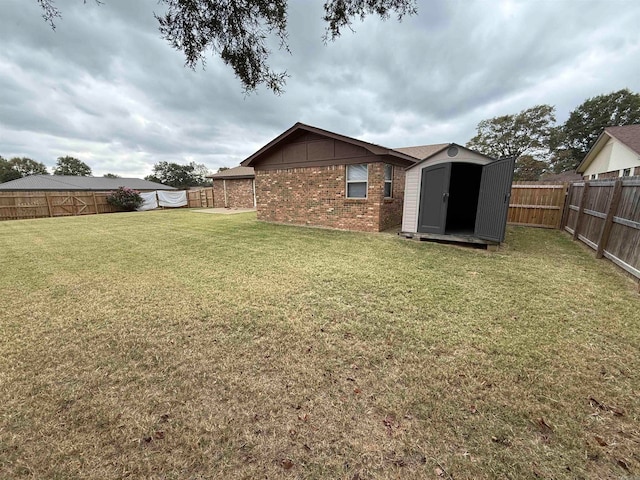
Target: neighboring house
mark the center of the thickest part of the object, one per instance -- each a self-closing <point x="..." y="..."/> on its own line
<point x="234" y="188"/>
<point x="310" y="176"/>
<point x="616" y="153"/>
<point x="70" y="183"/>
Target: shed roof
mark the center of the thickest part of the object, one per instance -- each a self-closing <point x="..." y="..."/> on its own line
<point x="628" y="135"/>
<point x="422" y="151"/>
<point x="235" y="172"/>
<point x="71" y="183"/>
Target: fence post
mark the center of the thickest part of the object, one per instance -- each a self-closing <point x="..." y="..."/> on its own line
<point x="565" y="205"/>
<point x="46" y="197"/>
<point x="95" y="203"/>
<point x="583" y="201"/>
<point x="608" y="222"/>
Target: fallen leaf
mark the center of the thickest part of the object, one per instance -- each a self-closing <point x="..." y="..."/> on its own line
<point x="623" y="464"/>
<point x="357" y="391"/>
<point x="164" y="417"/>
<point x="287" y="464"/>
<point x="544" y="426"/>
<point x="159" y="435"/>
<point x="601" y="441"/>
<point x="617" y="411"/>
<point x="439" y="472"/>
<point x="473" y="409"/>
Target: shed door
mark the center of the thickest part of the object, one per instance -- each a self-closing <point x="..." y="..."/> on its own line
<point x="434" y="196"/>
<point x="493" y="202"/>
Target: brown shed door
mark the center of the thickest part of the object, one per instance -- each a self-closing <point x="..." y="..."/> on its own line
<point x="434" y="196"/>
<point x="493" y="202"/>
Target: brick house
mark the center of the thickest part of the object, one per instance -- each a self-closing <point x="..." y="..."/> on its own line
<point x="310" y="176"/>
<point x="234" y="188"/>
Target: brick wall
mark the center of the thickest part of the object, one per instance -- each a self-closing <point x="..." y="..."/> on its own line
<point x="316" y="196"/>
<point x="391" y="209"/>
<point x="239" y="193"/>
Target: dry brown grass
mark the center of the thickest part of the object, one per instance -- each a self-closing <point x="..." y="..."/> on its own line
<point x="171" y="345"/>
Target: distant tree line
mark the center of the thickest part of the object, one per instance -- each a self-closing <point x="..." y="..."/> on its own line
<point x="180" y="176"/>
<point x="540" y="146"/>
<point x="19" y="167"/>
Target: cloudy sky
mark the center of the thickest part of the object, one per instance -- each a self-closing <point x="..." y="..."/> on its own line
<point x="105" y="88"/>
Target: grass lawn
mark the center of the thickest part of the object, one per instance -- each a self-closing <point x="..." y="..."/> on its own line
<point x="177" y="345"/>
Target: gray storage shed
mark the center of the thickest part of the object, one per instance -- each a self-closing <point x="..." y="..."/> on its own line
<point x="457" y="194"/>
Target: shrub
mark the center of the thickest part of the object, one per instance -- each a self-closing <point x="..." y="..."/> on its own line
<point x="125" y="198"/>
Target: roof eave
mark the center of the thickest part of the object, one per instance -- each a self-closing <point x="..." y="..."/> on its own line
<point x="593" y="152"/>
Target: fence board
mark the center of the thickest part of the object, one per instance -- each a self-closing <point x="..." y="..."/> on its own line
<point x="537" y="204"/>
<point x="200" y="198"/>
<point x="605" y="215"/>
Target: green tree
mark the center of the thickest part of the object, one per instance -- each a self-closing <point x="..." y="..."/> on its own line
<point x="588" y="120"/>
<point x="525" y="133"/>
<point x="19" y="167"/>
<point x="111" y="175"/>
<point x="528" y="168"/>
<point x="179" y="176"/>
<point x="238" y="31"/>
<point x="71" y="166"/>
<point x="7" y="172"/>
<point x="26" y="166"/>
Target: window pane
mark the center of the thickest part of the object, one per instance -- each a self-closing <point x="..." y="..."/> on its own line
<point x="357" y="173"/>
<point x="388" y="171"/>
<point x="357" y="190"/>
<point x="387" y="189"/>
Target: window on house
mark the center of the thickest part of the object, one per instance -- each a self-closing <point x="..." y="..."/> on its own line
<point x="593" y="177"/>
<point x="357" y="180"/>
<point x="626" y="172"/>
<point x="388" y="181"/>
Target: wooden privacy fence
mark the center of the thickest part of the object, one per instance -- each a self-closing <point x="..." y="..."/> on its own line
<point x="537" y="204"/>
<point x="200" y="198"/>
<point x="605" y="214"/>
<point x="19" y="205"/>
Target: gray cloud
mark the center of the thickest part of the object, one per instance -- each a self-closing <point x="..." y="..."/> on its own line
<point x="106" y="88"/>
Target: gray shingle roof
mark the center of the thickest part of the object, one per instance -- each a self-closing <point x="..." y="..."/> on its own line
<point x="71" y="183"/>
<point x="422" y="151"/>
<point x="628" y="134"/>
<point x="235" y="172"/>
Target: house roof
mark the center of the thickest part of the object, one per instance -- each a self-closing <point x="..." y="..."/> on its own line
<point x="71" y="183"/>
<point x="235" y="172"/>
<point x="422" y="151"/>
<point x="371" y="147"/>
<point x="628" y="135"/>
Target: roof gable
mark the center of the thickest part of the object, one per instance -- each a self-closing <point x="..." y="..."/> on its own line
<point x="300" y="129"/>
<point x="423" y="151"/>
<point x="433" y="150"/>
<point x="235" y="172"/>
<point x="628" y="135"/>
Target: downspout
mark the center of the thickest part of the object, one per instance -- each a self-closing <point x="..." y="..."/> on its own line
<point x="224" y="187"/>
<point x="253" y="184"/>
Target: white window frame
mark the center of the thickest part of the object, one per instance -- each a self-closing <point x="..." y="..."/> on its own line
<point x="366" y="183"/>
<point x="626" y="172"/>
<point x="390" y="181"/>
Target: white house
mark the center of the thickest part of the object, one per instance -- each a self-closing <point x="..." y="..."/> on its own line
<point x="616" y="153"/>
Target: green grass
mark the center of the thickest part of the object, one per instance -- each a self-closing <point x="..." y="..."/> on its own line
<point x="176" y="345"/>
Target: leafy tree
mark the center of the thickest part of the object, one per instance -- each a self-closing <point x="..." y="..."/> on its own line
<point x="111" y="175"/>
<point x="528" y="168"/>
<point x="588" y="120"/>
<point x="26" y="166"/>
<point x="238" y="31"/>
<point x="525" y="133"/>
<point x="7" y="172"/>
<point x="20" y="167"/>
<point x="179" y="176"/>
<point x="71" y="166"/>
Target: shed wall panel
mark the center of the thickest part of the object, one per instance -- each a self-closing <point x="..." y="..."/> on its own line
<point x="411" y="197"/>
